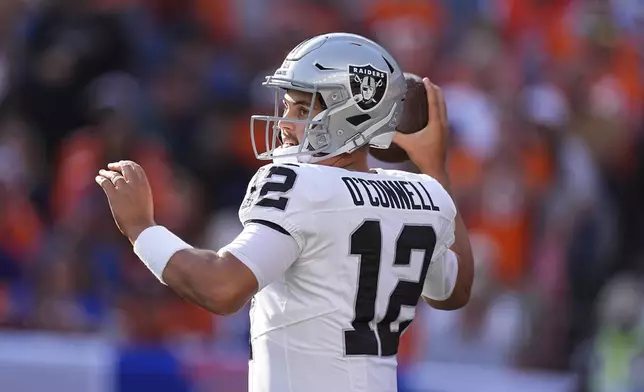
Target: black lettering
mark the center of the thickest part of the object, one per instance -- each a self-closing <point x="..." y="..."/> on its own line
<point x="434" y="206"/>
<point x="368" y="72"/>
<point x="373" y="201"/>
<point x="422" y="200"/>
<point x="367" y="242"/>
<point x="411" y="195"/>
<point x="402" y="195"/>
<point x="390" y="193"/>
<point x="381" y="195"/>
<point x="275" y="186"/>
<point x="358" y="200"/>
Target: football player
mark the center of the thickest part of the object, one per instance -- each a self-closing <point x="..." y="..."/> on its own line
<point x="334" y="255"/>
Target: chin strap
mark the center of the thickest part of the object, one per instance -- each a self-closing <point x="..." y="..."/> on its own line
<point x="287" y="155"/>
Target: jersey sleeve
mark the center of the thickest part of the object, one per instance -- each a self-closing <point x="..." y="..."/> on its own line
<point x="441" y="277"/>
<point x="445" y="232"/>
<point x="250" y="247"/>
<point x="443" y="270"/>
<point x="445" y="238"/>
<point x="273" y="199"/>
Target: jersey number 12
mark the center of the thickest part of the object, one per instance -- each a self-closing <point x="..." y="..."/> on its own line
<point x="366" y="242"/>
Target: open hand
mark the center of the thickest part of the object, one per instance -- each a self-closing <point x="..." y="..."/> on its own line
<point x="427" y="148"/>
<point x="130" y="197"/>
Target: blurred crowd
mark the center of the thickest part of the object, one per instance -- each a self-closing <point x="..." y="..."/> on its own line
<point x="546" y="102"/>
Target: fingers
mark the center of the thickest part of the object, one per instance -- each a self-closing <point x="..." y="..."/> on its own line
<point x="107" y="185"/>
<point x="442" y="106"/>
<point x="115" y="166"/>
<point x="437" y="110"/>
<point x="436" y="102"/>
<point x="433" y="107"/>
<point x="115" y="177"/>
<point x="130" y="170"/>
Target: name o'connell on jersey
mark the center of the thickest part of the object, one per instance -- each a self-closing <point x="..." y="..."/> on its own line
<point x="397" y="194"/>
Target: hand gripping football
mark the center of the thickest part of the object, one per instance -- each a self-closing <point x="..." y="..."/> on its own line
<point x="414" y="118"/>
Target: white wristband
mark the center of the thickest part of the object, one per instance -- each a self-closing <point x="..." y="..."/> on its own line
<point x="155" y="246"/>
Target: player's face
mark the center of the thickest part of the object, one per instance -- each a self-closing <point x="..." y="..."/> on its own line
<point x="297" y="106"/>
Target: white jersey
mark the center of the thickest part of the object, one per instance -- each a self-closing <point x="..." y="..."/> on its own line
<point x="333" y="319"/>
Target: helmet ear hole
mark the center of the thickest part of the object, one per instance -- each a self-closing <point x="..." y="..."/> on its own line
<point x="321" y="101"/>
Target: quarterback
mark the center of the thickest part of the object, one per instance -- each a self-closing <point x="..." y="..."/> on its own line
<point x="334" y="255"/>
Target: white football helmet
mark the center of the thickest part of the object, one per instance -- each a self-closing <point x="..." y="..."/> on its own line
<point x="361" y="86"/>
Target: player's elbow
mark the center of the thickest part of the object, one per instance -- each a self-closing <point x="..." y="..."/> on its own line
<point x="225" y="300"/>
<point x="213" y="296"/>
<point x="232" y="284"/>
<point x="459" y="298"/>
<point x="464" y="298"/>
<point x="221" y="306"/>
<point x="460" y="295"/>
<point x="207" y="280"/>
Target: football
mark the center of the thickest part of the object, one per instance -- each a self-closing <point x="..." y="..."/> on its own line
<point x="414" y="118"/>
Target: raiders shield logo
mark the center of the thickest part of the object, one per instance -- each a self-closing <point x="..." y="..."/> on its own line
<point x="368" y="85"/>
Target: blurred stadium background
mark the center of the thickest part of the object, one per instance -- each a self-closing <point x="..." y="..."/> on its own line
<point x="547" y="159"/>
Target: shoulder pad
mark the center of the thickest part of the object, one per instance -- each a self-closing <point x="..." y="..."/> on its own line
<point x="269" y="186"/>
<point x="443" y="197"/>
<point x="282" y="194"/>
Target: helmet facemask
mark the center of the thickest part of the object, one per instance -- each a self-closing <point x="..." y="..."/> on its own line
<point x="314" y="144"/>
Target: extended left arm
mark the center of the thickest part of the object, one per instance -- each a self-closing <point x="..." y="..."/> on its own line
<point x="220" y="282"/>
<point x="217" y="282"/>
